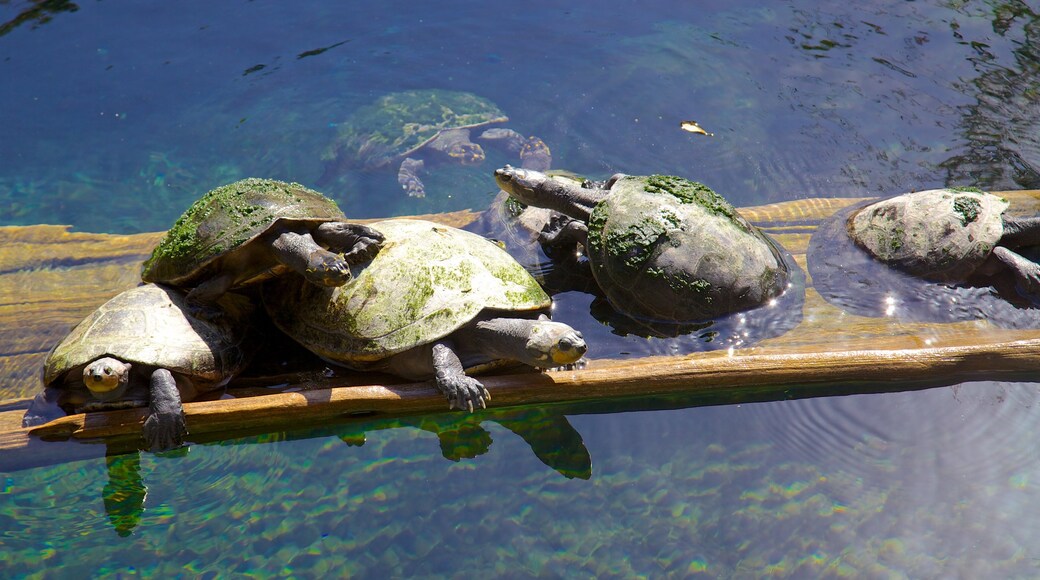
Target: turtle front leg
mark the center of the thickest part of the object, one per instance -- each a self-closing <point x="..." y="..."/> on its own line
<point x="202" y="299"/>
<point x="534" y="153"/>
<point x="561" y="236"/>
<point x="1026" y="272"/>
<point x="408" y="177"/>
<point x="164" y="428"/>
<point x="356" y="242"/>
<point x="462" y="391"/>
<point x="300" y="253"/>
<point x="44" y="408"/>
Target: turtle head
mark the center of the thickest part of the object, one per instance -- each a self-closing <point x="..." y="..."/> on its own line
<point x="107" y="378"/>
<point x="526" y="185"/>
<point x="551" y="344"/>
<point x="467" y="153"/>
<point x="531" y="187"/>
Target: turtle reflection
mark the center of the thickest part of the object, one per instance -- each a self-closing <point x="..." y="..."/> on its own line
<point x="551" y="437"/>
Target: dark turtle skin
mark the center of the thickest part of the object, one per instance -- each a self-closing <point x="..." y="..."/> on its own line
<point x="434" y="302"/>
<point x="246" y="231"/>
<point x="144" y="348"/>
<point x="661" y="248"/>
<point x="409" y="130"/>
<point x="942" y="255"/>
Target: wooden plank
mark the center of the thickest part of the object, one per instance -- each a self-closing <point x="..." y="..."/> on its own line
<point x="51" y="277"/>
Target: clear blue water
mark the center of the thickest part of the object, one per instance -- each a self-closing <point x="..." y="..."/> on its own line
<point x="115" y="116"/>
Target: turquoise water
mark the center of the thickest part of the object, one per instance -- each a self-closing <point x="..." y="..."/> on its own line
<point x="115" y="116"/>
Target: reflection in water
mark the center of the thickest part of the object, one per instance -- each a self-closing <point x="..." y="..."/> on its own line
<point x="1000" y="149"/>
<point x="549" y="434"/>
<point x="39" y="12"/>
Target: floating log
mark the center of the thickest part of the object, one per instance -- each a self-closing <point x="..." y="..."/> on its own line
<point x="51" y="278"/>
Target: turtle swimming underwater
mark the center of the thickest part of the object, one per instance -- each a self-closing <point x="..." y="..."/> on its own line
<point x="661" y="248"/>
<point x="143" y="348"/>
<point x="433" y="302"/>
<point x="936" y="255"/>
<point x="406" y="130"/>
<point x="246" y="231"/>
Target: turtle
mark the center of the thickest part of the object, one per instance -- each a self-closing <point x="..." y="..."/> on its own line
<point x="661" y="248"/>
<point x="405" y="130"/>
<point x="251" y="229"/>
<point x="940" y="255"/>
<point x="144" y="348"/>
<point x="433" y="302"/>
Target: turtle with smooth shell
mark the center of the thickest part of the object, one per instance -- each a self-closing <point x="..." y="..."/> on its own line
<point x="661" y="248"/>
<point x="407" y="130"/>
<point x="252" y="229"/>
<point x="143" y="348"/>
<point x="930" y="255"/>
<point x="432" y="303"/>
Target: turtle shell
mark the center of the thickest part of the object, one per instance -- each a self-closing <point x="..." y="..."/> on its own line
<point x="427" y="281"/>
<point x="398" y="124"/>
<point x="940" y="234"/>
<point x="226" y="220"/>
<point x="149" y="326"/>
<point x="668" y="249"/>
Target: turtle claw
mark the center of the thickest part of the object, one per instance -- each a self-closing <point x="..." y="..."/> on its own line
<point x="559" y="238"/>
<point x="408" y="177"/>
<point x="464" y="393"/>
<point x="359" y="242"/>
<point x="164" y="431"/>
<point x="328" y="269"/>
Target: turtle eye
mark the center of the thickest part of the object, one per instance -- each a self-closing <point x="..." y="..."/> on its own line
<point x="108" y="370"/>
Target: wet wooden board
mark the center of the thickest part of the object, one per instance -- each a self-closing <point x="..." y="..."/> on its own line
<point x="50" y="278"/>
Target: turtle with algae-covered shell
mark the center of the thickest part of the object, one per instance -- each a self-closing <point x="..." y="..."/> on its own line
<point x="936" y="255"/>
<point x="432" y="303"/>
<point x="143" y="348"/>
<point x="409" y="129"/>
<point x="661" y="248"/>
<point x="249" y="230"/>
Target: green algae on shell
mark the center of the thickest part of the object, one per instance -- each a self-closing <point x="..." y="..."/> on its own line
<point x="670" y="249"/>
<point x="398" y="124"/>
<point x="943" y="235"/>
<point x="427" y="281"/>
<point x="227" y="219"/>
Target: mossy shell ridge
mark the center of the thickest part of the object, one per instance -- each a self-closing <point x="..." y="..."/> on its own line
<point x="940" y="234"/>
<point x="399" y="124"/>
<point x="669" y="249"/>
<point x="149" y="325"/>
<point x="427" y="281"/>
<point x="226" y="219"/>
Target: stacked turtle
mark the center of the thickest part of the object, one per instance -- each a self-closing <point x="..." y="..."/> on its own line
<point x="156" y="345"/>
<point x="412" y="298"/>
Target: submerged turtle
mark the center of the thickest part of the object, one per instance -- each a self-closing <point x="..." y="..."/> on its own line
<point x="948" y="254"/>
<point x="251" y="229"/>
<point x="435" y="301"/>
<point x="661" y="248"/>
<point x="143" y="348"/>
<point x="408" y="129"/>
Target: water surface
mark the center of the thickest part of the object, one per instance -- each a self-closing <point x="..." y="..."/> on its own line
<point x="116" y="115"/>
